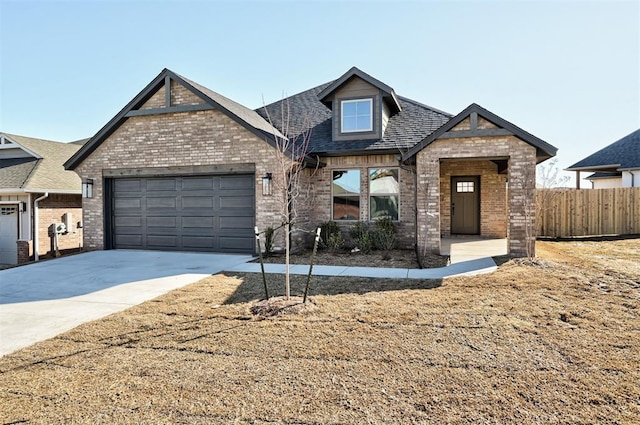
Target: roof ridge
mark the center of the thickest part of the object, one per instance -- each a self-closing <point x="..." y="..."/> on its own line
<point x="31" y="173"/>
<point x="424" y="105"/>
<point x="294" y="95"/>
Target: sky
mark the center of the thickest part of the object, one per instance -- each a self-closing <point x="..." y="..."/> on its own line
<point x="566" y="71"/>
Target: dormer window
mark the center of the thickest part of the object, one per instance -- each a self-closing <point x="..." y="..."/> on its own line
<point x="357" y="115"/>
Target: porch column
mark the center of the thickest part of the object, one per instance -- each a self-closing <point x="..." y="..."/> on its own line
<point x="428" y="169"/>
<point x="521" y="198"/>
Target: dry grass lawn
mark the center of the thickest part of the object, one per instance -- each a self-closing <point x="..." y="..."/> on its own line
<point x="551" y="341"/>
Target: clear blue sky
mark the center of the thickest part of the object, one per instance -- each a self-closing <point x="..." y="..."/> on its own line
<point x="566" y="71"/>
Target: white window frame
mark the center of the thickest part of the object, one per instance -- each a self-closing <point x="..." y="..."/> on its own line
<point x="343" y="102"/>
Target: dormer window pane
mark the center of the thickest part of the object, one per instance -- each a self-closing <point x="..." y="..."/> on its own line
<point x="357" y="115"/>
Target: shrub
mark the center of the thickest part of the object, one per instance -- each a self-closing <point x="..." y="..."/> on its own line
<point x="385" y="234"/>
<point x="362" y="237"/>
<point x="268" y="241"/>
<point x="330" y="234"/>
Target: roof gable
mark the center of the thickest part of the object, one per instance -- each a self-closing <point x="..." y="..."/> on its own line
<point x="11" y="149"/>
<point x="503" y="127"/>
<point x="620" y="155"/>
<point x="138" y="106"/>
<point x="388" y="94"/>
<point x="41" y="172"/>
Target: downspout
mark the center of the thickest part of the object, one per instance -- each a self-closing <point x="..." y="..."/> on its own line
<point x="415" y="211"/>
<point x="35" y="225"/>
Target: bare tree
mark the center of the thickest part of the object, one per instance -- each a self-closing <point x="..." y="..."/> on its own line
<point x="547" y="185"/>
<point x="290" y="187"/>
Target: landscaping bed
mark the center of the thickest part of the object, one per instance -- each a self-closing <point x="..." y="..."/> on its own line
<point x="553" y="340"/>
<point x="397" y="258"/>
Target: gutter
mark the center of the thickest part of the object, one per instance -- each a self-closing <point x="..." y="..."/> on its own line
<point x="35" y="225"/>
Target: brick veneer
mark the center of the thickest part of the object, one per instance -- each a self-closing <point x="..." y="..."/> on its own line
<point x="187" y="138"/>
<point x="521" y="175"/>
<point x="320" y="200"/>
<point x="24" y="251"/>
<point x="51" y="210"/>
<point x="493" y="195"/>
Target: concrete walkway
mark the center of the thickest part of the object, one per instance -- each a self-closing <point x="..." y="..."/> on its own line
<point x="469" y="256"/>
<point x="39" y="301"/>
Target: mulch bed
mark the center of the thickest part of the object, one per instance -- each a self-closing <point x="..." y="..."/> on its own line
<point x="399" y="258"/>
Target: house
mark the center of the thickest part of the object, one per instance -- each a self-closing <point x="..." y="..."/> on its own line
<point x="182" y="167"/>
<point x="617" y="165"/>
<point x="35" y="193"/>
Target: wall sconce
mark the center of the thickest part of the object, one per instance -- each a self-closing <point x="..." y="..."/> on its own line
<point x="87" y="188"/>
<point x="267" y="190"/>
<point x="23" y="205"/>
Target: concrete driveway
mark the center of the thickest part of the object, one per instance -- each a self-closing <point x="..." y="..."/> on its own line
<point x="42" y="300"/>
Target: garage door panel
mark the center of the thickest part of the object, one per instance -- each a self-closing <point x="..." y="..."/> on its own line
<point x="128" y="240"/>
<point x="197" y="222"/>
<point x="235" y="202"/>
<point x="197" y="202"/>
<point x="124" y="221"/>
<point x="126" y="203"/>
<point x="197" y="183"/>
<point x="236" y="182"/>
<point x="235" y="244"/>
<point x="168" y="184"/>
<point x="236" y="223"/>
<point x="197" y="242"/>
<point x="168" y="222"/>
<point x="203" y="213"/>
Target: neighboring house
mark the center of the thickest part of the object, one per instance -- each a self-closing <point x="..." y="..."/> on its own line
<point x="617" y="165"/>
<point x="36" y="192"/>
<point x="182" y="168"/>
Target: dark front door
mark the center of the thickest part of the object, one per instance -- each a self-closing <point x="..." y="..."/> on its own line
<point x="465" y="205"/>
<point x="195" y="213"/>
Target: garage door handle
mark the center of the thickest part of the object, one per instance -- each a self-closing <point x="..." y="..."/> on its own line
<point x="453" y="209"/>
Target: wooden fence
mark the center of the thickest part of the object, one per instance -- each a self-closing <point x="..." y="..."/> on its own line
<point x="588" y="212"/>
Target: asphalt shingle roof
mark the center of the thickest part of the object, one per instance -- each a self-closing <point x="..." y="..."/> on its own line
<point x="44" y="174"/>
<point x="623" y="154"/>
<point x="404" y="129"/>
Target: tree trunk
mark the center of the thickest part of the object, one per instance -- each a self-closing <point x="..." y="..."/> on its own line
<point x="287" y="286"/>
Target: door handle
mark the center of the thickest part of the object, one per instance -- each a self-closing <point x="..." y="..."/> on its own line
<point x="453" y="209"/>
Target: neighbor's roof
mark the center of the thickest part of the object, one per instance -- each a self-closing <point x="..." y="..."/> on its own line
<point x="42" y="174"/>
<point x="604" y="175"/>
<point x="621" y="155"/>
<point x="406" y="128"/>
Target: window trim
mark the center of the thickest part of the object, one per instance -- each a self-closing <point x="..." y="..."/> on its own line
<point x="367" y="130"/>
<point x="359" y="170"/>
<point x="370" y="195"/>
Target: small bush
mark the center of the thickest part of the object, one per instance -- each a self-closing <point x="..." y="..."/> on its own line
<point x="268" y="241"/>
<point x="335" y="242"/>
<point x="385" y="234"/>
<point x="362" y="237"/>
<point x="327" y="229"/>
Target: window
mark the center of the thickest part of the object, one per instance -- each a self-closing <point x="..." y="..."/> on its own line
<point x="346" y="195"/>
<point x="383" y="193"/>
<point x="357" y="115"/>
<point x="464" y="187"/>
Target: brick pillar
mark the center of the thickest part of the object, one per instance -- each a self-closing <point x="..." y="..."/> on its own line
<point x="428" y="169"/>
<point x="522" y="181"/>
<point x="24" y="250"/>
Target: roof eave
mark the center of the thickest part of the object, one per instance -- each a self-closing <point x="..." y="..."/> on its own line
<point x="595" y="167"/>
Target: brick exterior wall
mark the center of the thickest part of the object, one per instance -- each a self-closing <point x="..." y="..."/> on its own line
<point x="187" y="138"/>
<point x="319" y="199"/>
<point x="51" y="210"/>
<point x="493" y="196"/>
<point x="519" y="197"/>
<point x="24" y="251"/>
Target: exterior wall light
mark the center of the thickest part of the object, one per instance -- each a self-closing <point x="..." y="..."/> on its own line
<point x="87" y="188"/>
<point x="267" y="188"/>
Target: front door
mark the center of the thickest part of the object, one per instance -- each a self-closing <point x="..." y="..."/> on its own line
<point x="465" y="205"/>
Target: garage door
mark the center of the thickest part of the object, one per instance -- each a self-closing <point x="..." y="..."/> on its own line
<point x="201" y="213"/>
<point x="8" y="234"/>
